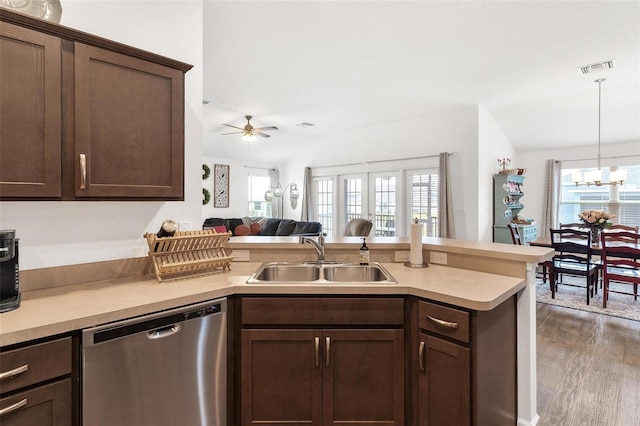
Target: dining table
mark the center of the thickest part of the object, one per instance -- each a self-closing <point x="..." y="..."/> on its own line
<point x="596" y="249"/>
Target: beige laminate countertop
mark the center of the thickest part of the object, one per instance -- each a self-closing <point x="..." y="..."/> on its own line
<point x="57" y="310"/>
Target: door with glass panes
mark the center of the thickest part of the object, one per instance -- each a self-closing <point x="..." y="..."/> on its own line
<point x="372" y="196"/>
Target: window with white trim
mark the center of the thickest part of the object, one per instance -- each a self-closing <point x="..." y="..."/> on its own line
<point x="323" y="190"/>
<point x="622" y="201"/>
<point x="424" y="200"/>
<point x="257" y="186"/>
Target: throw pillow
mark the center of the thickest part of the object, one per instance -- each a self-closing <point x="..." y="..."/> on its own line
<point x="286" y="227"/>
<point x="312" y="228"/>
<point x="255" y="228"/>
<point x="242" y="230"/>
<point x="270" y="227"/>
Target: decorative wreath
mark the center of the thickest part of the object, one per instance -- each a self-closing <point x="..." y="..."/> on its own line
<point x="206" y="196"/>
<point x="206" y="172"/>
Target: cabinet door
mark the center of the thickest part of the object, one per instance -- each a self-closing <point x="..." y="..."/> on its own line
<point x="129" y="126"/>
<point x="444" y="384"/>
<point x="48" y="405"/>
<point x="281" y="377"/>
<point x="363" y="377"/>
<point x="30" y="113"/>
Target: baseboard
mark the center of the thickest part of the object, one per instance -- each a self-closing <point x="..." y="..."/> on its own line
<point x="534" y="422"/>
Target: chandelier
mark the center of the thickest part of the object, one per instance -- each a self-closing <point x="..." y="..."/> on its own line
<point x="595" y="177"/>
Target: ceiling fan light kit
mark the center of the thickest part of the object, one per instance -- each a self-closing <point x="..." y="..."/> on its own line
<point x="249" y="132"/>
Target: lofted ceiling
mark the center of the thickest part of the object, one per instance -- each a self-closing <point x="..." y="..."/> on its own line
<point x="347" y="65"/>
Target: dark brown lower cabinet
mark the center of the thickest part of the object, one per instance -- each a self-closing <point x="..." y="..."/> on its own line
<point x="315" y="375"/>
<point x="281" y="377"/>
<point x="46" y="405"/>
<point x="443" y="383"/>
<point x="322" y="377"/>
<point x="466" y="365"/>
<point x="39" y="383"/>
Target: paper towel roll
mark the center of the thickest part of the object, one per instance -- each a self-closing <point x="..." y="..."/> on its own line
<point x="415" y="252"/>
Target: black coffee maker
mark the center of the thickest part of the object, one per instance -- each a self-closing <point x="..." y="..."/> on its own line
<point x="9" y="271"/>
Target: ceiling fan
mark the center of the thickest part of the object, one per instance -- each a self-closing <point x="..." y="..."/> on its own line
<point x="249" y="132"/>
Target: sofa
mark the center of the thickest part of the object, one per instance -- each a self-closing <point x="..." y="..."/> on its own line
<point x="263" y="226"/>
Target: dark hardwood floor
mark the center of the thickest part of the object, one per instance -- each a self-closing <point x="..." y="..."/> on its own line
<point x="588" y="368"/>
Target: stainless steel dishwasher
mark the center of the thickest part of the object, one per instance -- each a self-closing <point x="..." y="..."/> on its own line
<point x="163" y="369"/>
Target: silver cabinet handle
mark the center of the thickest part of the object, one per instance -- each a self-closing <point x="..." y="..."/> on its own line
<point x="13" y="407"/>
<point x="443" y="322"/>
<point x="83" y="171"/>
<point x="14" y="372"/>
<point x="327" y="351"/>
<point x="421" y="355"/>
<point x="316" y="342"/>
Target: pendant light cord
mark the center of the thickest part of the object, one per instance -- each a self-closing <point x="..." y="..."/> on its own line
<point x="599" y="81"/>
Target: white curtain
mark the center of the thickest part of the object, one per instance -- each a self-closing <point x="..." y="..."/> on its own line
<point x="446" y="227"/>
<point x="274" y="175"/>
<point x="551" y="198"/>
<point x="307" y="213"/>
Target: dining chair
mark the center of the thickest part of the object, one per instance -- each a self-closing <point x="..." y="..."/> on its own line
<point x="358" y="227"/>
<point x="515" y="234"/>
<point x="614" y="231"/>
<point x="572" y="225"/>
<point x="572" y="257"/>
<point x="517" y="240"/>
<point x="621" y="262"/>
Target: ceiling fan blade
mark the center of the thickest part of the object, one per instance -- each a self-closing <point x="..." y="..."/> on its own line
<point x="264" y="135"/>
<point x="266" y="128"/>
<point x="232" y="133"/>
<point x="235" y="127"/>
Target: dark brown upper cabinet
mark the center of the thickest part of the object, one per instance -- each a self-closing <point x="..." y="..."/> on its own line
<point x="30" y="113"/>
<point x="87" y="118"/>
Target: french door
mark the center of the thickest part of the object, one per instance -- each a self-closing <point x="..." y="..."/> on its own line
<point x="372" y="196"/>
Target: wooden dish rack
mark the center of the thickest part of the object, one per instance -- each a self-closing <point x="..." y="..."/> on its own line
<point x="188" y="252"/>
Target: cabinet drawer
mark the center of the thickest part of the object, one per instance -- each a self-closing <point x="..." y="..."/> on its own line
<point x="36" y="363"/>
<point x="443" y="320"/>
<point x="322" y="311"/>
<point x="47" y="405"/>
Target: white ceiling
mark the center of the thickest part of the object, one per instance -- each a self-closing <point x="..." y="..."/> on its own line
<point x="343" y="65"/>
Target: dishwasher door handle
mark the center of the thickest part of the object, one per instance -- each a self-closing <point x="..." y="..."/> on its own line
<point x="159" y="333"/>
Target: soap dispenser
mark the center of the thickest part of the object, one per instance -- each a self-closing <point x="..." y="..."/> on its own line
<point x="364" y="253"/>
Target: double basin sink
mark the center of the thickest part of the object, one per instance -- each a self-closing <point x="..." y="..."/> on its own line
<point x="321" y="273"/>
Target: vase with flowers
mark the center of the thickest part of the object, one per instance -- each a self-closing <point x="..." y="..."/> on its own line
<point x="596" y="221"/>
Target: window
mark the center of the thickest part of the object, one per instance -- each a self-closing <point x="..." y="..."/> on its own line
<point x="384" y="188"/>
<point x="352" y="193"/>
<point x="424" y="200"/>
<point x="324" y="198"/>
<point x="257" y="186"/>
<point x="622" y="201"/>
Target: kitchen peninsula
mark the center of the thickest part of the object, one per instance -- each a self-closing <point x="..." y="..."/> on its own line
<point x="478" y="279"/>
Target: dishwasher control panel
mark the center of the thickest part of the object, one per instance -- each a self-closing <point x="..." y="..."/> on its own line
<point x="203" y="311"/>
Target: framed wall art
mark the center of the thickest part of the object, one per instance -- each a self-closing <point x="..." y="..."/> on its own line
<point x="220" y="185"/>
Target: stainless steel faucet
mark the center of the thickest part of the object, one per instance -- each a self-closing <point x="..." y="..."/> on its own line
<point x="318" y="245"/>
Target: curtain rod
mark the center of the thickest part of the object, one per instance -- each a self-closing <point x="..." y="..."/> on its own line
<point x="259" y="168"/>
<point x="382" y="161"/>
<point x="603" y="158"/>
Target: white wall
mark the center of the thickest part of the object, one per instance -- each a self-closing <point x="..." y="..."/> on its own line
<point x="492" y="144"/>
<point x="454" y="131"/>
<point x="64" y="233"/>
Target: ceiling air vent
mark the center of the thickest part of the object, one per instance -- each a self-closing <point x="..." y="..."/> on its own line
<point x="598" y="66"/>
